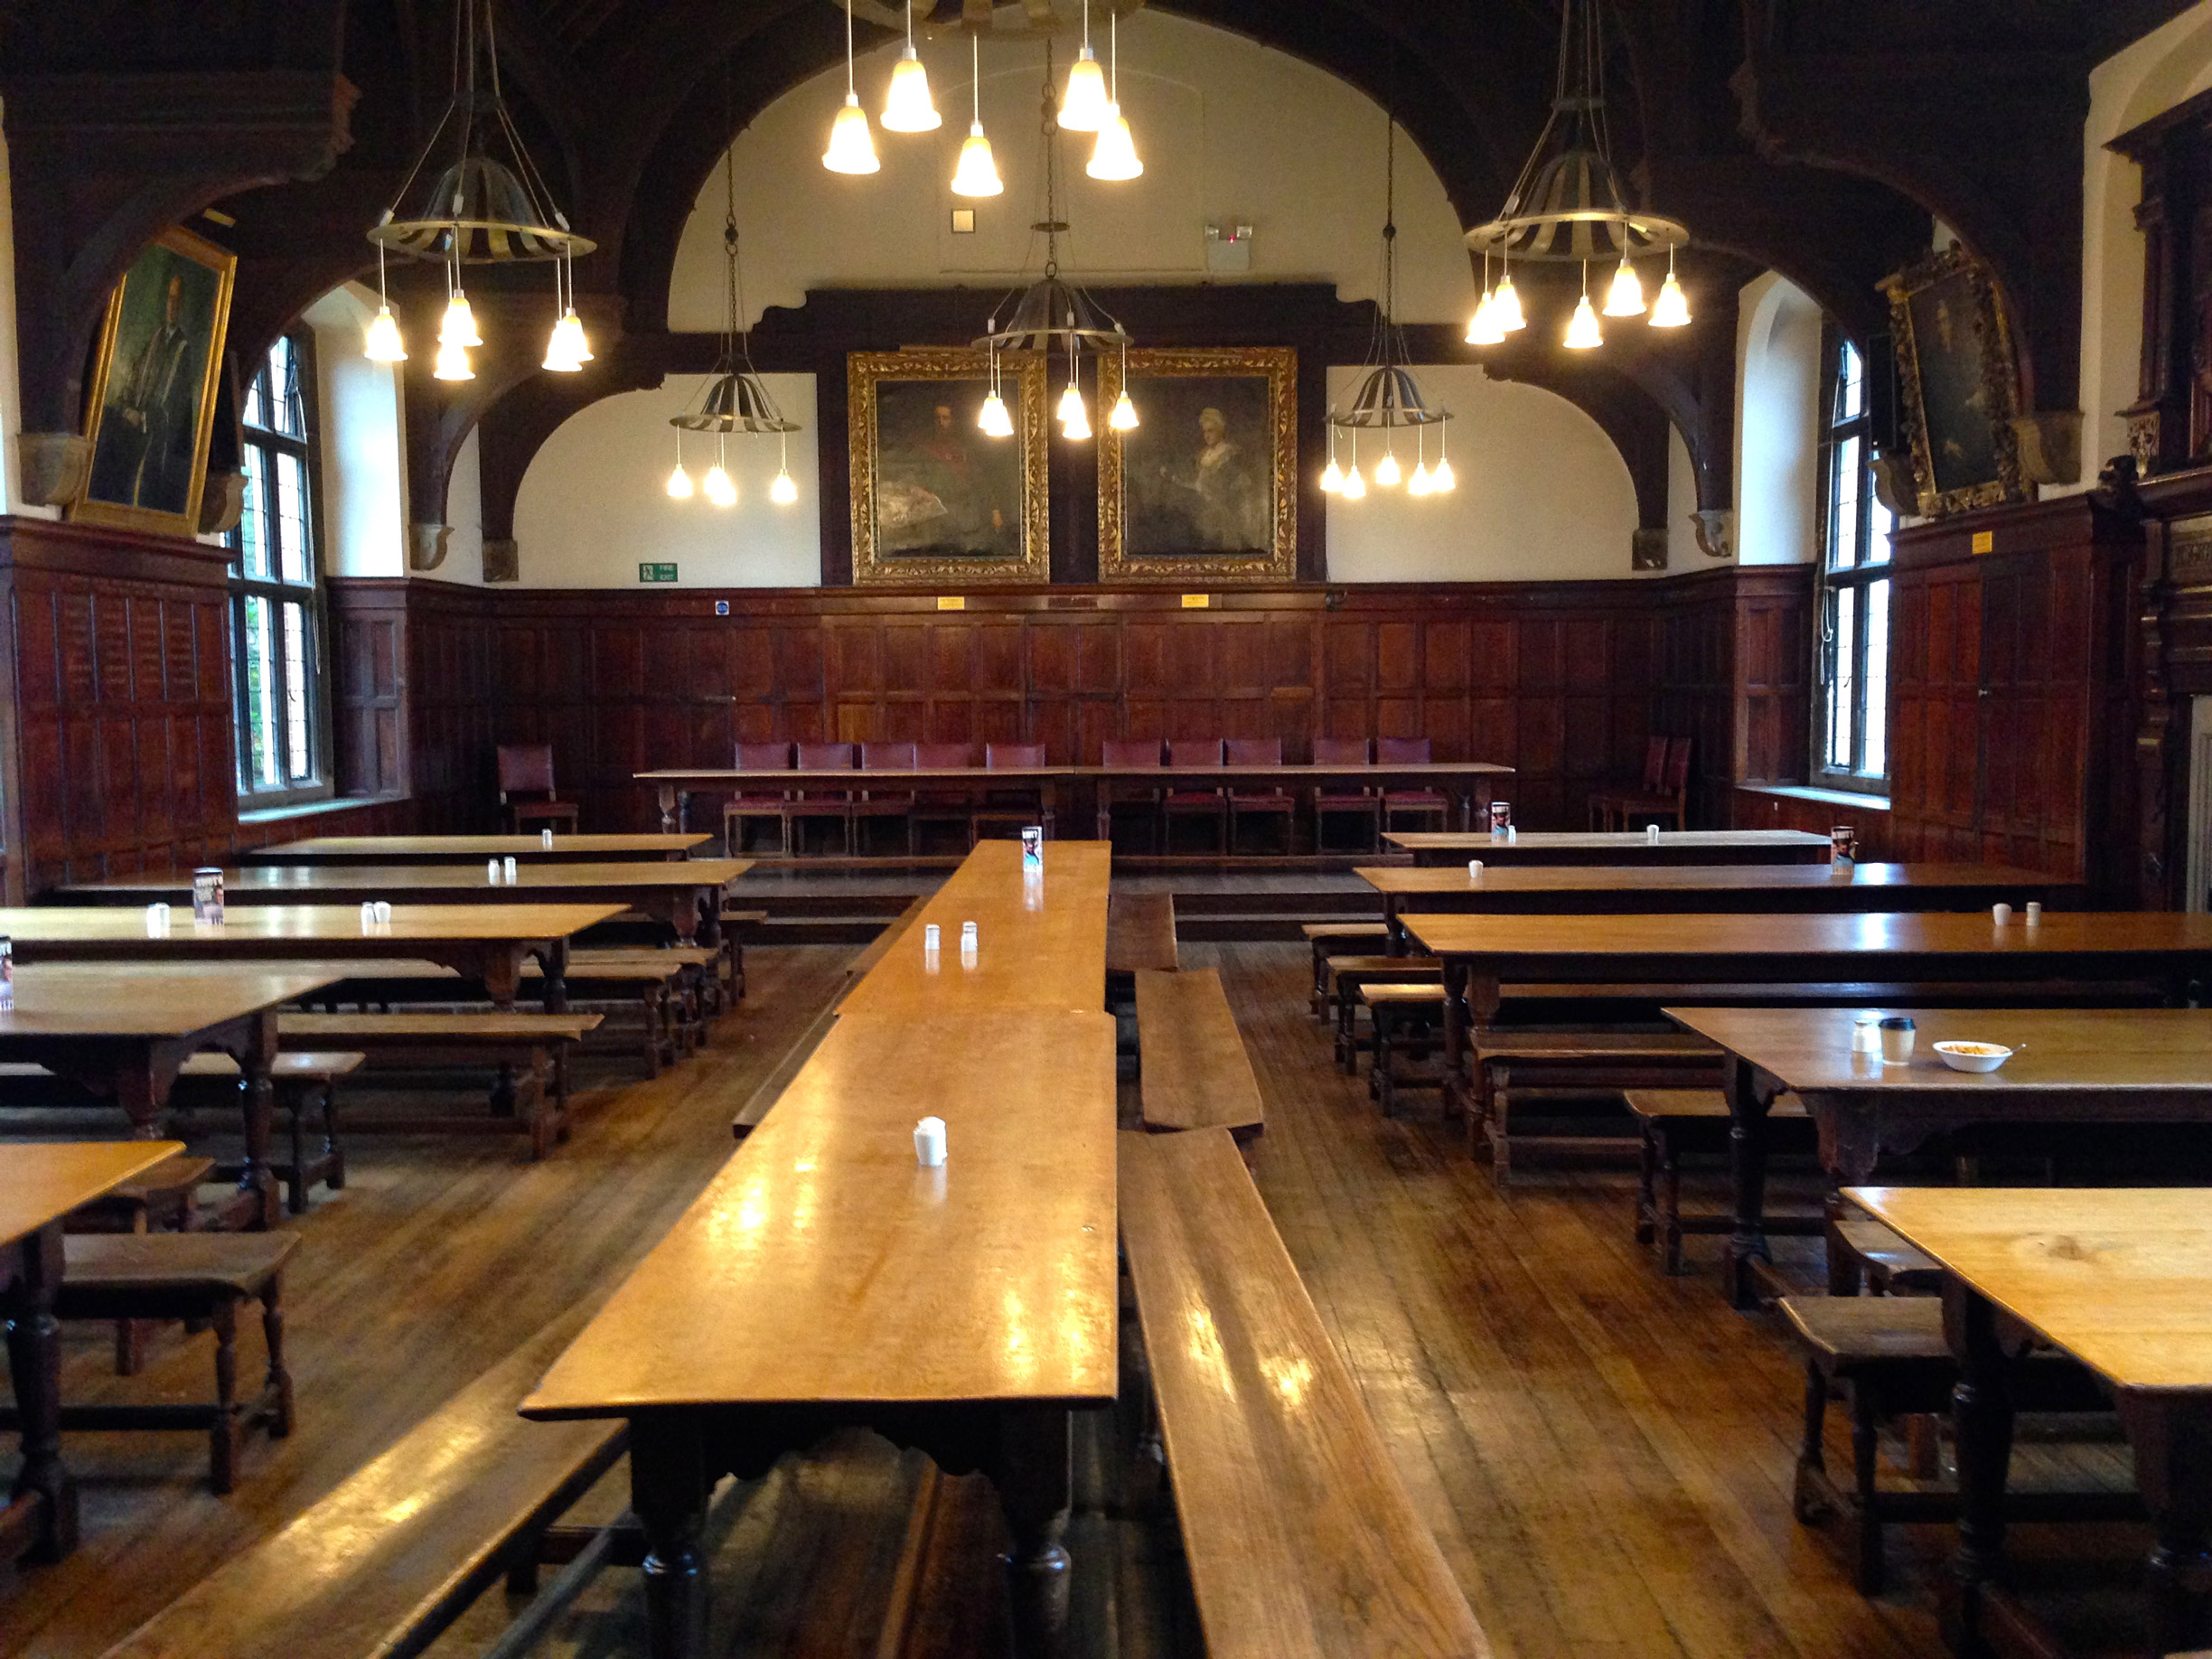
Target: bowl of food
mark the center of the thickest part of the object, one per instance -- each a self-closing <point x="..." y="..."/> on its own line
<point x="1973" y="1056"/>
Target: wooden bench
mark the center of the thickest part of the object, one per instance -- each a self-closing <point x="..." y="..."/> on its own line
<point x="533" y="1042"/>
<point x="1863" y="1253"/>
<point x="1140" y="934"/>
<point x="307" y="1082"/>
<point x="1192" y="1068"/>
<point x="690" y="974"/>
<point x="734" y="922"/>
<point x="401" y="1548"/>
<point x="1597" y="1061"/>
<point x="1301" y="1539"/>
<point x="1390" y="1004"/>
<point x="1328" y="939"/>
<point x="1679" y="1122"/>
<point x="1347" y="974"/>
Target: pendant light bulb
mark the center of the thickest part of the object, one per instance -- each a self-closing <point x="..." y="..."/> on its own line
<point x="1114" y="157"/>
<point x="453" y="362"/>
<point x="383" y="344"/>
<point x="995" y="421"/>
<point x="977" y="173"/>
<point x="1355" y="486"/>
<point x="1071" y="405"/>
<point x="459" y="327"/>
<point x="784" y="490"/>
<point x="719" y="488"/>
<point x="852" y="147"/>
<point x="1505" y="307"/>
<point x="1079" y="429"/>
<point x="1083" y="106"/>
<point x="680" y="481"/>
<point x="1418" y="483"/>
<point x="1124" y="415"/>
<point x="568" y="350"/>
<point x="1625" y="299"/>
<point x="1441" y="481"/>
<point x="907" y="107"/>
<point x="1583" y="333"/>
<point x="1672" y="308"/>
<point x="1485" y="329"/>
<point x="1386" y="470"/>
<point x="1332" y="476"/>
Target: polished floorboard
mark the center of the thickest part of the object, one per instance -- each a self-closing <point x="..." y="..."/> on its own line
<point x="1604" y="1453"/>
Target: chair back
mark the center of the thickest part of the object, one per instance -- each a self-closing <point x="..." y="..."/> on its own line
<point x="1655" y="762"/>
<point x="1253" y="752"/>
<point x="1676" y="779"/>
<point x="943" y="756"/>
<point x="826" y="756"/>
<point x="763" y="756"/>
<point x="1402" y="752"/>
<point x="1194" y="752"/>
<point x="525" y="768"/>
<point x="1340" y="752"/>
<point x="1013" y="756"/>
<point x="887" y="756"/>
<point x="1129" y="752"/>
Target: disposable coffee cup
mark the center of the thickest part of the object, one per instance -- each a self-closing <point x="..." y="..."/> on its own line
<point x="1897" y="1039"/>
<point x="1474" y="869"/>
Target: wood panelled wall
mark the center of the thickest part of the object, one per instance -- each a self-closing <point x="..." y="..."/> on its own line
<point x="116" y="752"/>
<point x="1562" y="681"/>
<point x="2013" y="691"/>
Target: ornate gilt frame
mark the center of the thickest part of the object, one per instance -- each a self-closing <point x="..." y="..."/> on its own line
<point x="1023" y="375"/>
<point x="1999" y="382"/>
<point x="1280" y="365"/>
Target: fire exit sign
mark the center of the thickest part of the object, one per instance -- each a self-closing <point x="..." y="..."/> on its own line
<point x="656" y="573"/>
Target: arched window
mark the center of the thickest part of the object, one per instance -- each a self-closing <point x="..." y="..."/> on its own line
<point x="1850" y="738"/>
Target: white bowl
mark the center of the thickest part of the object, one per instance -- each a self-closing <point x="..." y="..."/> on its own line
<point x="1973" y="1056"/>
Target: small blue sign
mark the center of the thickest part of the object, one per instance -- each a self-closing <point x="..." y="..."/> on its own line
<point x="721" y="607"/>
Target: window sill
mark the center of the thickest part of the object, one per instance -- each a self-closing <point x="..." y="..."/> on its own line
<point x="1831" y="797"/>
<point x="312" y="809"/>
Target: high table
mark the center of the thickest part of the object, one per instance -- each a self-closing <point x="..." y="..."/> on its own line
<point x="2069" y="1066"/>
<point x="1611" y="846"/>
<point x="2120" y="1279"/>
<point x="1467" y="781"/>
<point x="40" y="1185"/>
<point x="464" y="848"/>
<point x="685" y="893"/>
<point x="1668" y="889"/>
<point x="123" y="1030"/>
<point x="824" y="1279"/>
<point x="487" y="942"/>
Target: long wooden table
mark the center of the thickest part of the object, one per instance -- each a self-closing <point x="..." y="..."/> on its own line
<point x="1467" y="781"/>
<point x="487" y="942"/>
<point x="2120" y="1279"/>
<point x="685" y="893"/>
<point x="2069" y="1066"/>
<point x="1707" y="888"/>
<point x="1041" y="944"/>
<point x="1611" y="846"/>
<point x="386" y="850"/>
<point x="39" y="1185"/>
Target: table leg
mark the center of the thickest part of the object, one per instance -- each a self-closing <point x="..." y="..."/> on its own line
<point x="1393" y="931"/>
<point x="1032" y="1472"/>
<point x="668" y="1493"/>
<point x="43" y="1502"/>
<point x="2172" y="1435"/>
<point x="258" y="1098"/>
<point x="1750" y="1094"/>
<point x="706" y="907"/>
<point x="668" y="808"/>
<point x="1981" y="1419"/>
<point x="1454" y="1036"/>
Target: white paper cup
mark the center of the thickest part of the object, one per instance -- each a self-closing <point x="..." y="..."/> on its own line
<point x="929" y="1138"/>
<point x="2001" y="913"/>
<point x="1474" y="869"/>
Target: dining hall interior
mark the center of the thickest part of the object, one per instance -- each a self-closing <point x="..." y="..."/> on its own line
<point x="814" y="844"/>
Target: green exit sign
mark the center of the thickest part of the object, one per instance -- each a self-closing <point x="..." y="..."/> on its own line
<point x="657" y="573"/>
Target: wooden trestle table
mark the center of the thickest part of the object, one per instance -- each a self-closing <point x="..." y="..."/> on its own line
<point x="1715" y="889"/>
<point x="40" y="1185"/>
<point x="2069" y="1066"/>
<point x="486" y="942"/>
<point x="685" y="893"/>
<point x="2121" y="1280"/>
<point x="465" y="848"/>
<point x="1434" y="847"/>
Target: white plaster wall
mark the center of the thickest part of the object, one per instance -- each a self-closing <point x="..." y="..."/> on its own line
<point x="594" y="501"/>
<point x="11" y="386"/>
<point x="364" y="493"/>
<point x="1543" y="496"/>
<point x="464" y="561"/>
<point x="2166" y="66"/>
<point x="1777" y="422"/>
<point x="1230" y="132"/>
<point x="1682" y="551"/>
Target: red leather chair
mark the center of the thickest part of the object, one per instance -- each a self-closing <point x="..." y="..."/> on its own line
<point x="1430" y="807"/>
<point x="875" y="804"/>
<point x="941" y="803"/>
<point x="1665" y="795"/>
<point x="1019" y="806"/>
<point x="1129" y="753"/>
<point x="1268" y="803"/>
<point x="1209" y="802"/>
<point x="830" y="803"/>
<point x="1342" y="801"/>
<point x="526" y="769"/>
<point x="755" y="803"/>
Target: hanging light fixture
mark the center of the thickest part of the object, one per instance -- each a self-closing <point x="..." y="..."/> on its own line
<point x="1483" y="328"/>
<point x="1083" y="106"/>
<point x="977" y="173"/>
<point x="1389" y="400"/>
<point x="736" y="398"/>
<point x="1124" y="415"/>
<point x="784" y="490"/>
<point x="852" y="147"/>
<point x="995" y="420"/>
<point x="1567" y="204"/>
<point x="1331" y="475"/>
<point x="486" y="204"/>
<point x="1052" y="315"/>
<point x="1114" y="156"/>
<point x="1671" y="309"/>
<point x="679" y="481"/>
<point x="907" y="107"/>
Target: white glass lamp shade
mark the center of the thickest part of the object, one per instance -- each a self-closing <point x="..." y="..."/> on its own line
<point x="679" y="485"/>
<point x="1671" y="309"/>
<point x="459" y="326"/>
<point x="1485" y="329"/>
<point x="567" y="350"/>
<point x="907" y="107"/>
<point x="1441" y="480"/>
<point x="1505" y="307"/>
<point x="1386" y="471"/>
<point x="1332" y="476"/>
<point x="1084" y="105"/>
<point x="1355" y="486"/>
<point x="1114" y="156"/>
<point x="1071" y="405"/>
<point x="719" y="488"/>
<point x="453" y="362"/>
<point x="1625" y="299"/>
<point x="1076" y="427"/>
<point x="977" y="173"/>
<point x="852" y="147"/>
<point x="383" y="344"/>
<point x="995" y="421"/>
<point x="1583" y="334"/>
<point x="1418" y="484"/>
<point x="1124" y="415"/>
<point x="784" y="490"/>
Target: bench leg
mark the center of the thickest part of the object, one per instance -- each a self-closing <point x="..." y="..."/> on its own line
<point x="223" y="1432"/>
<point x="295" y="1178"/>
<point x="1319" y="1002"/>
<point x="1864" y="1449"/>
<point x="335" y="1153"/>
<point x="1670" y="1177"/>
<point x="1498" y="1123"/>
<point x="1647" y="1184"/>
<point x="278" y="1387"/>
<point x="1379" y="1073"/>
<point x="1807" y="1501"/>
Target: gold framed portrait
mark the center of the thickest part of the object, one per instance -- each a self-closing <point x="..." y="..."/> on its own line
<point x="1958" y="387"/>
<point x="935" y="498"/>
<point x="151" y="407"/>
<point x="1205" y="487"/>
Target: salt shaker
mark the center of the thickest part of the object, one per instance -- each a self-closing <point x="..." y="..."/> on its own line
<point x="967" y="936"/>
<point x="930" y="1149"/>
<point x="507" y="872"/>
<point x="2035" y="912"/>
<point x="545" y="839"/>
<point x="1866" y="1035"/>
<point x="930" y="937"/>
<point x="1651" y="834"/>
<point x="491" y="870"/>
<point x="383" y="911"/>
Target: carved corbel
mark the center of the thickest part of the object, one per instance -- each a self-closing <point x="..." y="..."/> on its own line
<point x="427" y="545"/>
<point x="1716" y="531"/>
<point x="1895" y="486"/>
<point x="1647" y="549"/>
<point x="223" y="502"/>
<point x="2050" y="445"/>
<point x="56" y="467"/>
<point x="502" y="559"/>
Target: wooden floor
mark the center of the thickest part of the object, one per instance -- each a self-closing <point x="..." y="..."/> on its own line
<point x="1605" y="1454"/>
